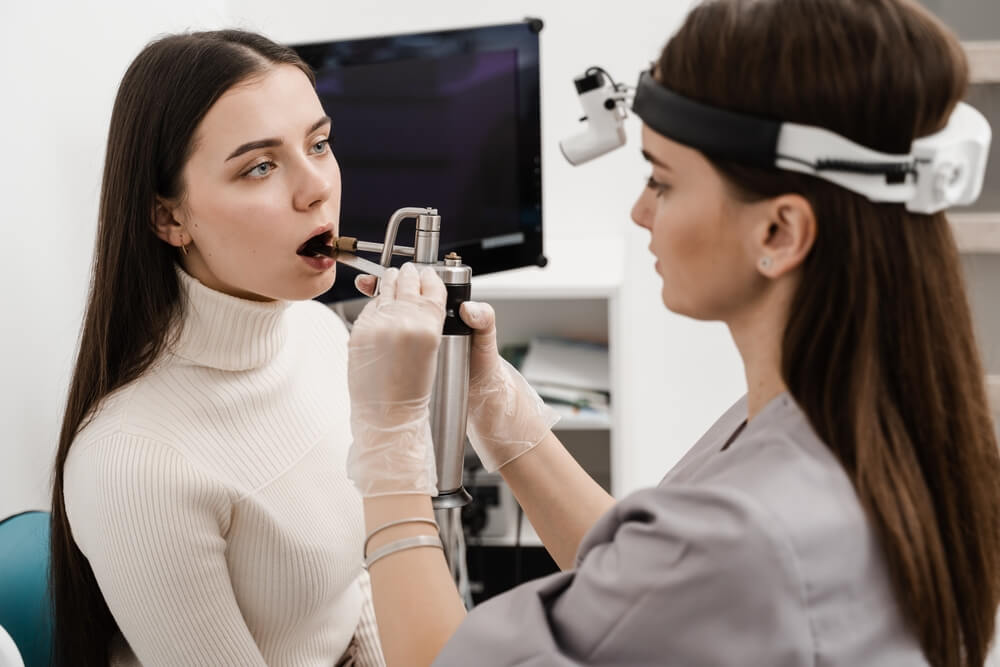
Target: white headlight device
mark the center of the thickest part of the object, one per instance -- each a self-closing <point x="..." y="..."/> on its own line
<point x="941" y="170"/>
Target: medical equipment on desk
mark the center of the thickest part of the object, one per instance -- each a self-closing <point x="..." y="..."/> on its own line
<point x="941" y="170"/>
<point x="450" y="398"/>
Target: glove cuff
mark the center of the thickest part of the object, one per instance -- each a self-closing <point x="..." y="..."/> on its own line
<point x="394" y="460"/>
<point x="507" y="417"/>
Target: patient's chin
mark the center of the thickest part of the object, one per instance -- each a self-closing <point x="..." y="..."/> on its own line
<point x="317" y="285"/>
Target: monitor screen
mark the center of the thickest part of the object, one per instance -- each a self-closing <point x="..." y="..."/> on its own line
<point x="448" y="120"/>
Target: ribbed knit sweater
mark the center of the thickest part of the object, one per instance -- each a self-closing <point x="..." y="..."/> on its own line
<point x="210" y="495"/>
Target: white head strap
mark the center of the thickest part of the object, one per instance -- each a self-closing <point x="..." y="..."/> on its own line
<point x="942" y="170"/>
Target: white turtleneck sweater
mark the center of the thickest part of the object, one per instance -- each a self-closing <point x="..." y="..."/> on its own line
<point x="210" y="495"/>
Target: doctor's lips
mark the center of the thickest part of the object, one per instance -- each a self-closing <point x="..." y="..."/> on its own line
<point x="327" y="245"/>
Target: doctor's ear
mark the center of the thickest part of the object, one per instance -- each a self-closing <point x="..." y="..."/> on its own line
<point x="785" y="235"/>
<point x="166" y="224"/>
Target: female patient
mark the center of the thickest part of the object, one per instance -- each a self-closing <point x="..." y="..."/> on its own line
<point x="201" y="513"/>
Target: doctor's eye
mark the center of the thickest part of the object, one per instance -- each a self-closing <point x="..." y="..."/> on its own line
<point x="656" y="186"/>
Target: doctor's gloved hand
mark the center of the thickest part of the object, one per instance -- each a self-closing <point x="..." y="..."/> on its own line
<point x="392" y="359"/>
<point x="506" y="416"/>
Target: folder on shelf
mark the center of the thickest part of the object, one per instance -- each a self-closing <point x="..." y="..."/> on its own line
<point x="580" y="398"/>
<point x="568" y="366"/>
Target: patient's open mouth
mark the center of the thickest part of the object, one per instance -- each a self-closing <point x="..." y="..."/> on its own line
<point x="318" y="245"/>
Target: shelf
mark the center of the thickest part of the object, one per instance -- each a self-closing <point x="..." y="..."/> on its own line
<point x="580" y="420"/>
<point x="584" y="268"/>
<point x="993" y="392"/>
<point x="976" y="232"/>
<point x="529" y="538"/>
<point x="984" y="61"/>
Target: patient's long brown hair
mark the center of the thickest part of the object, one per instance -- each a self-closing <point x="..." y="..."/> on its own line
<point x="134" y="290"/>
<point x="879" y="349"/>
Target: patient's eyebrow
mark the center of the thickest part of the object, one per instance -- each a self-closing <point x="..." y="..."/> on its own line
<point x="271" y="143"/>
<point x="649" y="157"/>
<point x="254" y="145"/>
<point x="318" y="124"/>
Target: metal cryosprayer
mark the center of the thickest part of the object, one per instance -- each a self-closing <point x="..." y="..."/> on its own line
<point x="450" y="398"/>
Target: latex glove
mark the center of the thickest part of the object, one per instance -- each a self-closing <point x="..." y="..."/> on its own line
<point x="506" y="416"/>
<point x="392" y="360"/>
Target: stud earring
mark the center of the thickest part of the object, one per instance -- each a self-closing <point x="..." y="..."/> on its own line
<point x="765" y="262"/>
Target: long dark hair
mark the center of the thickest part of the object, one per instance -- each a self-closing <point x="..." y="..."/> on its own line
<point x="134" y="292"/>
<point x="879" y="349"/>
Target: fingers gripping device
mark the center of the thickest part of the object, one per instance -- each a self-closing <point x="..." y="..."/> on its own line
<point x="450" y="398"/>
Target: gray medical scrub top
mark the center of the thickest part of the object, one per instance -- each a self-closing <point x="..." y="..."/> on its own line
<point x="755" y="554"/>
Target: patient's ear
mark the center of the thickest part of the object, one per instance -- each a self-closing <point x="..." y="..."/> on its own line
<point x="165" y="224"/>
<point x="785" y="235"/>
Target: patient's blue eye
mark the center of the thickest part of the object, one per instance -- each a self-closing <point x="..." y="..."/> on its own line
<point x="259" y="170"/>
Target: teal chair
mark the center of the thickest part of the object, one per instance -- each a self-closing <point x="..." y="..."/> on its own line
<point x="25" y="612"/>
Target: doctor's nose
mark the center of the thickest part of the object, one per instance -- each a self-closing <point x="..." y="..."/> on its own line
<point x="642" y="210"/>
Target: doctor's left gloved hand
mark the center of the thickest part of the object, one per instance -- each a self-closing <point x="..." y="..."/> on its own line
<point x="392" y="359"/>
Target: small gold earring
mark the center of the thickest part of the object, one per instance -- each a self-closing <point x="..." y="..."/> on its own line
<point x="184" y="247"/>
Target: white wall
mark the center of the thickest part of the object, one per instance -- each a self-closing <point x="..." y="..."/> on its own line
<point x="62" y="65"/>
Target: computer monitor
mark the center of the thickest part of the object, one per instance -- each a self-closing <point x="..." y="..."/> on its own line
<point x="448" y="119"/>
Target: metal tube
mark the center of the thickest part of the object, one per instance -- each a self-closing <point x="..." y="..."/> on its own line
<point x="449" y="410"/>
<point x="426" y="246"/>
<point x="401" y="250"/>
<point x="393" y="227"/>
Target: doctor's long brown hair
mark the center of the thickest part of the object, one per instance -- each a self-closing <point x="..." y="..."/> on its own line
<point x="879" y="349"/>
<point x="134" y="292"/>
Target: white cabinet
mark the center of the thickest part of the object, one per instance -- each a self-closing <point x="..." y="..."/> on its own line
<point x="577" y="297"/>
<point x="977" y="229"/>
<point x="978" y="235"/>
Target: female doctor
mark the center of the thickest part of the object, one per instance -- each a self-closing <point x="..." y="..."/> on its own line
<point x="845" y="511"/>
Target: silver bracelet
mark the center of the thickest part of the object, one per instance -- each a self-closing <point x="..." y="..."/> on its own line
<point x="384" y="526"/>
<point x="402" y="545"/>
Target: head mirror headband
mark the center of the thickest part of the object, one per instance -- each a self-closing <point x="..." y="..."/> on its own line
<point x="941" y="170"/>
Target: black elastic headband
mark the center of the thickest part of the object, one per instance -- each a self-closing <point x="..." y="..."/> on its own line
<point x="715" y="132"/>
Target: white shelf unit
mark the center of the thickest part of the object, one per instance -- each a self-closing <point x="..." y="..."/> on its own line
<point x="575" y="296"/>
<point x="993" y="389"/>
<point x="978" y="234"/>
<point x="581" y="420"/>
<point x="984" y="61"/>
<point x="505" y="515"/>
<point x="977" y="230"/>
